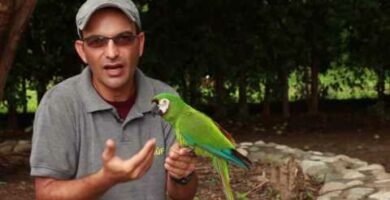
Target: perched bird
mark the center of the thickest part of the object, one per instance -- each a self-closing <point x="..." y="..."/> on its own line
<point x="199" y="132"/>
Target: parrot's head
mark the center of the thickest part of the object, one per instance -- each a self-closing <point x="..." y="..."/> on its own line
<point x="167" y="105"/>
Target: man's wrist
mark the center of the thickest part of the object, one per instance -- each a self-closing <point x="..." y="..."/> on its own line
<point x="184" y="180"/>
<point x="104" y="177"/>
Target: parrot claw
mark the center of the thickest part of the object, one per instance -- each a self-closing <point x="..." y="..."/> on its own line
<point x="191" y="150"/>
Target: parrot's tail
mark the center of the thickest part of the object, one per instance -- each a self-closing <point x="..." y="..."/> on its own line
<point x="222" y="168"/>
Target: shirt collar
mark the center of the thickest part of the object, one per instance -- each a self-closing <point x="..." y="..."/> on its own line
<point x="94" y="101"/>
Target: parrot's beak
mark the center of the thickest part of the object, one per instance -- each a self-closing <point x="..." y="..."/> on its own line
<point x="155" y="110"/>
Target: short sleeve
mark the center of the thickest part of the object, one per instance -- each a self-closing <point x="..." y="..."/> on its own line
<point x="54" y="142"/>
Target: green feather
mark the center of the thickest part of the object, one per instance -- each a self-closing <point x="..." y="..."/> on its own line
<point x="197" y="130"/>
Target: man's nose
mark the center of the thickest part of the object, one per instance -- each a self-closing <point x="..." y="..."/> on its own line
<point x="112" y="50"/>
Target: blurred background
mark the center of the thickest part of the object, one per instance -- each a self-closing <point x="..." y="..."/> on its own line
<point x="314" y="74"/>
<point x="233" y="59"/>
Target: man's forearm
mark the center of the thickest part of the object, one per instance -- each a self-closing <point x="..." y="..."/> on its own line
<point x="182" y="192"/>
<point x="89" y="187"/>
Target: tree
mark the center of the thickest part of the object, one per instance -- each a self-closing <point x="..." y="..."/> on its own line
<point x="14" y="15"/>
<point x="369" y="40"/>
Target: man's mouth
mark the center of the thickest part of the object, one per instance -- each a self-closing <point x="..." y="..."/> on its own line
<point x="114" y="70"/>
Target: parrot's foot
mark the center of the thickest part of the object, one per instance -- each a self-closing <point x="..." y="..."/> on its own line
<point x="191" y="150"/>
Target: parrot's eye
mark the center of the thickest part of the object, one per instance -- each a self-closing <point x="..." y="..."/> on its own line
<point x="164" y="105"/>
<point x="164" y="101"/>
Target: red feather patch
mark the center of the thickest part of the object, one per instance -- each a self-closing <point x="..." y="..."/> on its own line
<point x="226" y="133"/>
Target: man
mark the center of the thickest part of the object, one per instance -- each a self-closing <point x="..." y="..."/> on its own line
<point x="94" y="137"/>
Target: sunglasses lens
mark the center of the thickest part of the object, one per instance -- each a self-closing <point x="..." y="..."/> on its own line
<point x="125" y="39"/>
<point x="96" y="41"/>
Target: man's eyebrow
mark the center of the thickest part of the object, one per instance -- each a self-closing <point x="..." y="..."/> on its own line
<point x="98" y="35"/>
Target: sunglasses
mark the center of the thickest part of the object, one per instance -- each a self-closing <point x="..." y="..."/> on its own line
<point x="122" y="39"/>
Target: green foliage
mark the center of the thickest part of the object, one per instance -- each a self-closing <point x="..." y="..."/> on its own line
<point x="244" y="48"/>
<point x="343" y="83"/>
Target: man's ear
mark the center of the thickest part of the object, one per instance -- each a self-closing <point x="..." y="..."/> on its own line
<point x="141" y="37"/>
<point x="79" y="46"/>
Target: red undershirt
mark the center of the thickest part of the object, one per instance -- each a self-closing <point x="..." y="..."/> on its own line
<point x="123" y="107"/>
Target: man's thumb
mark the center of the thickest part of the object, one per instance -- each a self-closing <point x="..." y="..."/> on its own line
<point x="109" y="151"/>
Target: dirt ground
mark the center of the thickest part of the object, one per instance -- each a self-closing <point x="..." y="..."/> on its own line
<point x="353" y="138"/>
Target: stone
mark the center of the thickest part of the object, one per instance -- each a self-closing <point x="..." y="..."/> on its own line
<point x="22" y="146"/>
<point x="260" y="142"/>
<point x="379" y="175"/>
<point x="372" y="167"/>
<point x="7" y="146"/>
<point x="358" y="193"/>
<point x="381" y="184"/>
<point x="290" y="151"/>
<point x="254" y="148"/>
<point x="329" y="196"/>
<point x="243" y="151"/>
<point x="258" y="156"/>
<point x="354" y="183"/>
<point x="317" y="153"/>
<point x="318" y="158"/>
<point x="332" y="176"/>
<point x="352" y="174"/>
<point x="384" y="181"/>
<point x="281" y="147"/>
<point x="246" y="144"/>
<point x="343" y="177"/>
<point x="381" y="195"/>
<point x="342" y="162"/>
<point x="276" y="159"/>
<point x="314" y="168"/>
<point x="271" y="144"/>
<point x="332" y="186"/>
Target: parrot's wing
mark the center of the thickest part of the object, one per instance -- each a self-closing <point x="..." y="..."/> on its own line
<point x="200" y="131"/>
<point x="226" y="133"/>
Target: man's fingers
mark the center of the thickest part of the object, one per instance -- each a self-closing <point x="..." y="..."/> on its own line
<point x="187" y="152"/>
<point x="184" y="162"/>
<point x="144" y="166"/>
<point x="187" y="157"/>
<point x="141" y="162"/>
<point x="147" y="150"/>
<point x="179" y="172"/>
<point x="177" y="151"/>
<point x="109" y="151"/>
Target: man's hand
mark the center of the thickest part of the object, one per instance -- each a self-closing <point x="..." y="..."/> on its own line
<point x="119" y="170"/>
<point x="180" y="161"/>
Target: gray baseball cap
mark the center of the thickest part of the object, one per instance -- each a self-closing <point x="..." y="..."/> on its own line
<point x="90" y="6"/>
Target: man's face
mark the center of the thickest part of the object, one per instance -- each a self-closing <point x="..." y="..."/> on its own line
<point x="112" y="61"/>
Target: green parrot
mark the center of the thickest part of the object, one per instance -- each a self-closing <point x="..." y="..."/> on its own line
<point x="199" y="132"/>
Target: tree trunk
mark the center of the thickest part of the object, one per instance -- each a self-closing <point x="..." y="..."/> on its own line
<point x="14" y="15"/>
<point x="380" y="85"/>
<point x="193" y="90"/>
<point x="242" y="99"/>
<point x="220" y="94"/>
<point x="12" y="115"/>
<point x="313" y="106"/>
<point x="184" y="86"/>
<point x="41" y="89"/>
<point x="306" y="87"/>
<point x="285" y="95"/>
<point x="266" y="103"/>
<point x="24" y="93"/>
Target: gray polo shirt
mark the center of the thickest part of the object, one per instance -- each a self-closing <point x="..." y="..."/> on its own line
<point x="73" y="122"/>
